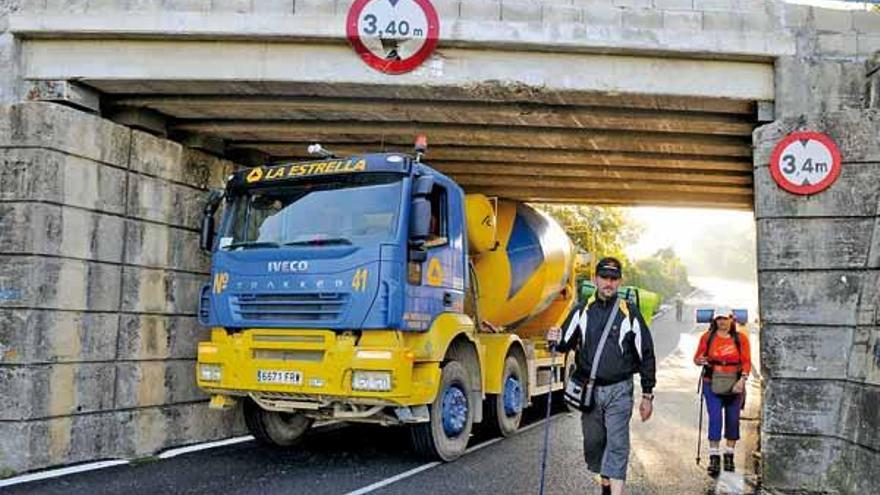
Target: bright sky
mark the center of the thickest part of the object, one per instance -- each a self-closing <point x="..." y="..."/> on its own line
<point x="680" y="228"/>
<point x="837" y="4"/>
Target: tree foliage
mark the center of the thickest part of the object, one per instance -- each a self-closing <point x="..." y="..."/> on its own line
<point x="607" y="231"/>
<point x="663" y="273"/>
<point x="597" y="230"/>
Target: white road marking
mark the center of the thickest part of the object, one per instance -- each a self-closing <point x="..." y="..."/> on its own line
<point x="54" y="473"/>
<point x="204" y="446"/>
<point x="394" y="479"/>
<point x="92" y="466"/>
<point x="424" y="467"/>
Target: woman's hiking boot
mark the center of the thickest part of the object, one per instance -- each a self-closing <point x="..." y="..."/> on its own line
<point x="728" y="462"/>
<point x="714" y="465"/>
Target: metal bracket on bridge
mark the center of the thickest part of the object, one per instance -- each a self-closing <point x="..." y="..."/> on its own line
<point x="143" y="119"/>
<point x="766" y="111"/>
<point x="66" y="93"/>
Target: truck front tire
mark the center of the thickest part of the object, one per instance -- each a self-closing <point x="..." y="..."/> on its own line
<point x="445" y="436"/>
<point x="504" y="411"/>
<point x="274" y="428"/>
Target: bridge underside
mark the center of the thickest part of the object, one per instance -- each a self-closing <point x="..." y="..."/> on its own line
<point x="564" y="127"/>
<point x="532" y="146"/>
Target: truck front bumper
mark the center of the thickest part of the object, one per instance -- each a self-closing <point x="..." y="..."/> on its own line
<point x="314" y="371"/>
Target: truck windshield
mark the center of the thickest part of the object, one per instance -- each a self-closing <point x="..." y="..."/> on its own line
<point x="358" y="209"/>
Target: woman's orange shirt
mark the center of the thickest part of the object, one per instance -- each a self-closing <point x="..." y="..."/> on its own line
<point x="724" y="350"/>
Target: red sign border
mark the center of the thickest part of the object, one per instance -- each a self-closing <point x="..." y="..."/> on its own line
<point x="812" y="188"/>
<point x="393" y="66"/>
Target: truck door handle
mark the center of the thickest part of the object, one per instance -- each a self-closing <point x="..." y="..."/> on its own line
<point x="447" y="299"/>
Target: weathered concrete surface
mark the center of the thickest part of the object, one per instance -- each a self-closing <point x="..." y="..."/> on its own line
<point x="820" y="306"/>
<point x="98" y="282"/>
<point x="592" y="24"/>
<point x="123" y="433"/>
<point x="583" y="61"/>
<point x="47" y="336"/>
<point x="9" y="54"/>
<point x="538" y="75"/>
<point x="99" y="275"/>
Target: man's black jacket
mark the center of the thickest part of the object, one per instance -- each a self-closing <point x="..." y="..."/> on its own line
<point x="629" y="348"/>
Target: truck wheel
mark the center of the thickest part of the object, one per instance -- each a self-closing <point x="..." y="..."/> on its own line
<point x="273" y="428"/>
<point x="445" y="436"/>
<point x="504" y="411"/>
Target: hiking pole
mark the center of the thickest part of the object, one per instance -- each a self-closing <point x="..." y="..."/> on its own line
<point x="700" y="428"/>
<point x="547" y="419"/>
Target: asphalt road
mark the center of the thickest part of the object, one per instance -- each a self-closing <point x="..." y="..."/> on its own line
<point x="351" y="458"/>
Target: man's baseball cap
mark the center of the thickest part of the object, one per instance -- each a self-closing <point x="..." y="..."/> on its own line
<point x="609" y="267"/>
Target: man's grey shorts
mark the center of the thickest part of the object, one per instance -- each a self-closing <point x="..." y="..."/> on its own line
<point x="606" y="430"/>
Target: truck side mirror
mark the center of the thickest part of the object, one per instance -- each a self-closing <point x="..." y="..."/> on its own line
<point x="206" y="238"/>
<point x="420" y="210"/>
<point x="422" y="185"/>
<point x="419" y="220"/>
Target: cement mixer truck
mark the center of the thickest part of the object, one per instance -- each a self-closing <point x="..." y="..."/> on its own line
<point x="373" y="289"/>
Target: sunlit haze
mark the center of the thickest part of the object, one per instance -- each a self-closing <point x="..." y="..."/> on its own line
<point x="684" y="228"/>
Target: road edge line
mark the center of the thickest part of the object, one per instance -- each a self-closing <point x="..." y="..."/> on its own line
<point x="55" y="473"/>
<point x="170" y="453"/>
<point x="425" y="467"/>
<point x="394" y="479"/>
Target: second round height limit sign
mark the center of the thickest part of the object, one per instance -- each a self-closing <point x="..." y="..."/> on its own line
<point x="805" y="162"/>
<point x="393" y="36"/>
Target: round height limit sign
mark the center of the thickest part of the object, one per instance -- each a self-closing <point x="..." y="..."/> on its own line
<point x="805" y="162"/>
<point x="393" y="36"/>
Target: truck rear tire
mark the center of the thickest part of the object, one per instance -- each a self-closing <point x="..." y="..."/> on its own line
<point x="445" y="436"/>
<point x="274" y="428"/>
<point x="504" y="411"/>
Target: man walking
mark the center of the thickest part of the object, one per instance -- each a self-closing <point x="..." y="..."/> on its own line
<point x="602" y="386"/>
<point x="679" y="306"/>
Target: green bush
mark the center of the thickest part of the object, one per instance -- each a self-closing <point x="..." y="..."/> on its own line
<point x="663" y="273"/>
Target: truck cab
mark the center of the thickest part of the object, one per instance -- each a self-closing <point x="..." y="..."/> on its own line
<point x="325" y="245"/>
<point x="338" y="293"/>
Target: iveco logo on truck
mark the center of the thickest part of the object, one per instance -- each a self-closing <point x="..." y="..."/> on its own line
<point x="288" y="266"/>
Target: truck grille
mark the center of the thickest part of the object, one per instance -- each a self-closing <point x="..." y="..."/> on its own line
<point x="298" y="307"/>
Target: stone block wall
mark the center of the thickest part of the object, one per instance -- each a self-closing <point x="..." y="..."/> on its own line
<point x="9" y="53"/>
<point x="828" y="71"/>
<point x="819" y="276"/>
<point x="99" y="279"/>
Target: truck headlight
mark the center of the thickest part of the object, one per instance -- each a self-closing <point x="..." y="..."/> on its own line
<point x="379" y="381"/>
<point x="210" y="372"/>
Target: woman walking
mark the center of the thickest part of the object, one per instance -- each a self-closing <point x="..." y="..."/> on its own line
<point x="725" y="357"/>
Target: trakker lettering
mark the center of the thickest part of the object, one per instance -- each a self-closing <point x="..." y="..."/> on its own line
<point x="288" y="266"/>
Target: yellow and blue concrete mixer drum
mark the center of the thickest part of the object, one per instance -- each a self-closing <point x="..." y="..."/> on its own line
<point x="530" y="266"/>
